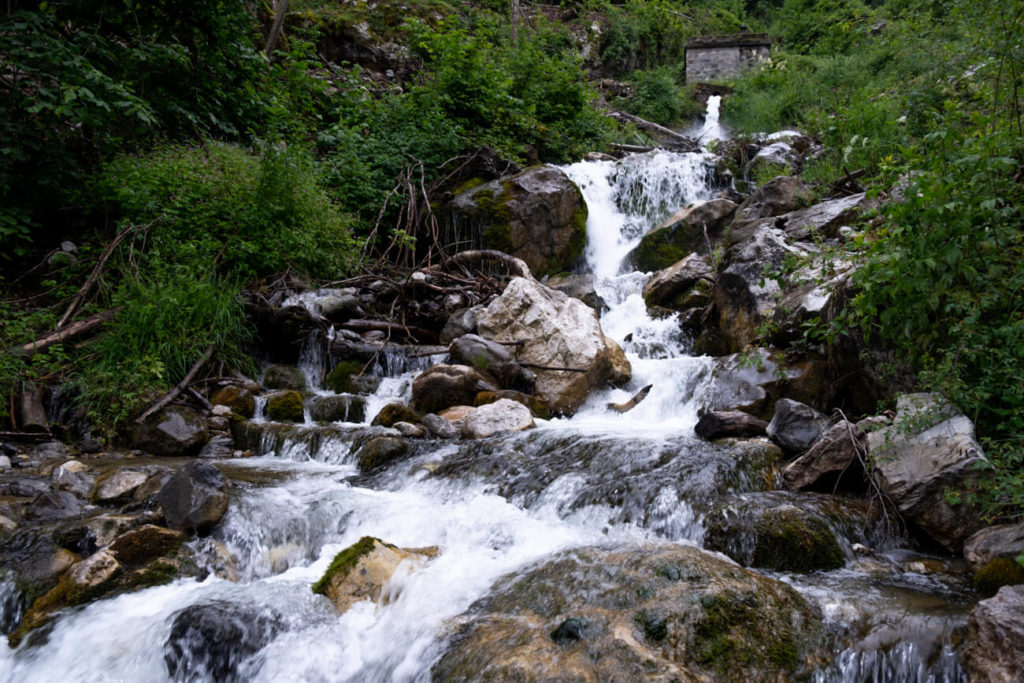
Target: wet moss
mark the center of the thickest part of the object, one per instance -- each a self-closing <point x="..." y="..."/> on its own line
<point x="999" y="572"/>
<point x="285" y="407"/>
<point x="736" y="630"/>
<point x="395" y="412"/>
<point x="790" y="540"/>
<point x="339" y="380"/>
<point x="159" y="573"/>
<point x="238" y="399"/>
<point x="345" y="560"/>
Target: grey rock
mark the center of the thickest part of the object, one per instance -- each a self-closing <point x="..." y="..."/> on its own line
<point x="778" y="157"/>
<point x="379" y="452"/>
<point x="684" y="284"/>
<point x="118" y="486"/>
<point x="72" y="476"/>
<point x="341" y="408"/>
<point x="439" y="426"/>
<point x="776" y="197"/>
<point x="174" y="431"/>
<point x="729" y="423"/>
<point x="409" y="430"/>
<point x="5" y="462"/>
<point x="462" y="321"/>
<point x="218" y="447"/>
<point x="994" y="650"/>
<point x="836" y="456"/>
<point x="195" y="498"/>
<point x="1002" y="540"/>
<point x="284" y="377"/>
<point x="504" y="415"/>
<point x="825" y="218"/>
<point x="578" y="286"/>
<point x="441" y="386"/>
<point x="796" y="426"/>
<point x="493" y="359"/>
<point x="54" y="505"/>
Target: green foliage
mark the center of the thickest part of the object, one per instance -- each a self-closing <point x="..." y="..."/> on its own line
<point x="657" y="97"/>
<point x="823" y="27"/>
<point x="220" y="207"/>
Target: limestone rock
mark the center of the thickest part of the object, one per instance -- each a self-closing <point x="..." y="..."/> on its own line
<point x="175" y="431"/>
<point x="655" y="612"/>
<point x="729" y="423"/>
<point x="537" y="215"/>
<point x="929" y="449"/>
<point x="503" y="415"/>
<point x="195" y="498"/>
<point x="362" y="571"/>
<point x="796" y="426"/>
<point x="684" y="284"/>
<point x="441" y="386"/>
<point x="556" y="331"/>
<point x="994" y="650"/>
<point x="1002" y="540"/>
<point x="118" y="486"/>
<point x="578" y="286"/>
<point x="496" y="360"/>
<point x="834" y="459"/>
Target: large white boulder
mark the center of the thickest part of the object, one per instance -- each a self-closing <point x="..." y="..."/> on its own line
<point x="504" y="415"/>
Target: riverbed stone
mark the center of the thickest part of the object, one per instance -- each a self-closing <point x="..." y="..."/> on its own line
<point x="685" y="284"/>
<point x="174" y="431"/>
<point x="395" y="412"/>
<point x="537" y="407"/>
<point x="994" y="650"/>
<point x="556" y="331"/>
<point x="195" y="498"/>
<point x="439" y="427"/>
<point x="284" y="406"/>
<point x="73" y="477"/>
<point x="834" y="460"/>
<point x="342" y="408"/>
<point x="683" y="233"/>
<point x="1001" y="540"/>
<point x="381" y="451"/>
<point x="138" y="546"/>
<point x="461" y="321"/>
<point x="493" y="359"/>
<point x="728" y="423"/>
<point x="117" y="487"/>
<point x="796" y="426"/>
<point x="363" y="570"/>
<point x="503" y="415"/>
<point x="654" y="612"/>
<point x="441" y="386"/>
<point x="929" y="450"/>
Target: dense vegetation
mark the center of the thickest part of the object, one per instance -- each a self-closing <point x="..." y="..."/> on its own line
<point x="225" y="161"/>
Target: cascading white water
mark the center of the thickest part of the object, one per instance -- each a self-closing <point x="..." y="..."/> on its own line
<point x="303" y="501"/>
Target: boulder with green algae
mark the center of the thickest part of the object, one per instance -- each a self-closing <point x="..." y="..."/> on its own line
<point x="361" y="571"/>
<point x="339" y="379"/>
<point x="239" y="399"/>
<point x="789" y="539"/>
<point x="337" y="409"/>
<point x="652" y="612"/>
<point x="998" y="572"/>
<point x="395" y="412"/>
<point x="284" y="406"/>
<point x="380" y="452"/>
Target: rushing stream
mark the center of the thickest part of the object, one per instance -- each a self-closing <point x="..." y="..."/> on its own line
<point x="494" y="507"/>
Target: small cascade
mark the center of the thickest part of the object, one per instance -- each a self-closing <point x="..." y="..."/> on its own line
<point x="712" y="129"/>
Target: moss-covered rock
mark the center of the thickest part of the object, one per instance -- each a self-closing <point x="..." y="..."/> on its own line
<point x="339" y="379"/>
<point x="789" y="539"/>
<point x="284" y="377"/>
<point x="284" y="406"/>
<point x="395" y="412"/>
<point x="337" y="409"/>
<point x="239" y="399"/>
<point x="148" y="542"/>
<point x="360" y="571"/>
<point x="998" y="572"/>
<point x="380" y="452"/>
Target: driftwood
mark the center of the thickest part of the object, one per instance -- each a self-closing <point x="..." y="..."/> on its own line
<point x="644" y="124"/>
<point x="631" y="403"/>
<point x="173" y="393"/>
<point x="633" y="149"/>
<point x="78" y="329"/>
<point x="93" y="276"/>
<point x="385" y="326"/>
<point x="515" y="265"/>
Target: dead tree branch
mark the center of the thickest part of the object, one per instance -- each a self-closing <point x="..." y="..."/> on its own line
<point x="173" y="393"/>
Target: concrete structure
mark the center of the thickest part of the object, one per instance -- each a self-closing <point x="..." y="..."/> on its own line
<point x="711" y="58"/>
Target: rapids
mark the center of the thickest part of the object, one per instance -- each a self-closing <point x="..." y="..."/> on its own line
<point x="491" y="507"/>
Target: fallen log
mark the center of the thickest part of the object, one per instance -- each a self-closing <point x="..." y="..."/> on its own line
<point x="31" y="411"/>
<point x="633" y="149"/>
<point x="93" y="276"/>
<point x="173" y="393"/>
<point x="515" y="265"/>
<point x="644" y="124"/>
<point x="631" y="403"/>
<point x="385" y="326"/>
<point x="77" y="329"/>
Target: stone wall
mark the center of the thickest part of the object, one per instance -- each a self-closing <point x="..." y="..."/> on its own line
<point x="716" y="57"/>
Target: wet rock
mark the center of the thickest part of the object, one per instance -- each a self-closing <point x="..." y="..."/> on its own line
<point x="284" y="377"/>
<point x="281" y="331"/>
<point x="818" y="300"/>
<point x="137" y="547"/>
<point x="213" y="640"/>
<point x="493" y="360"/>
<point x="410" y="431"/>
<point x="439" y="427"/>
<point x="683" y="234"/>
<point x="778" y="196"/>
<point x="657" y="612"/>
<point x="395" y="412"/>
<point x="195" y="498"/>
<point x="461" y="322"/>
<point x="88" y="445"/>
<point x="556" y="331"/>
<point x="340" y="378"/>
<point x="996" y="573"/>
<point x="994" y="650"/>
<point x="49" y="450"/>
<point x="784" y="537"/>
<point x="929" y="449"/>
<point x="750" y="382"/>
<point x="175" y="431"/>
<point x="118" y="486"/>
<point x="729" y="423"/>
<point x="218" y="447"/>
<point x="54" y="505"/>
<point x="442" y="386"/>
<point x="684" y="284"/>
<point x="778" y="158"/>
<point x="537" y="407"/>
<point x="363" y="570"/>
<point x="825" y="218"/>
<point x="284" y="406"/>
<point x="538" y="215"/>
<point x="5" y="463"/>
<point x="238" y="399"/>
<point x="578" y="287"/>
<point x="1002" y="540"/>
<point x="834" y="461"/>
<point x="501" y="416"/>
<point x="337" y="409"/>
<point x="72" y="476"/>
<point x="381" y="451"/>
<point x="91" y="575"/>
<point x="795" y="426"/>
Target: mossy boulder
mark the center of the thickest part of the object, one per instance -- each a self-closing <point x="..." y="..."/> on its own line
<point x="684" y="233"/>
<point x="381" y="451"/>
<point x="137" y="547"/>
<point x="337" y="409"/>
<point x="284" y="406"/>
<point x="239" y="399"/>
<point x="789" y="539"/>
<point x="998" y="572"/>
<point x="538" y="215"/>
<point x="361" y="571"/>
<point x="395" y="412"/>
<point x="652" y="612"/>
<point x="339" y="379"/>
<point x="285" y="377"/>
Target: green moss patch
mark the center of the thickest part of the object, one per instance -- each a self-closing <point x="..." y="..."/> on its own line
<point x="345" y="560"/>
<point x="1002" y="571"/>
<point x="339" y="380"/>
<point x="791" y="540"/>
<point x="285" y="407"/>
